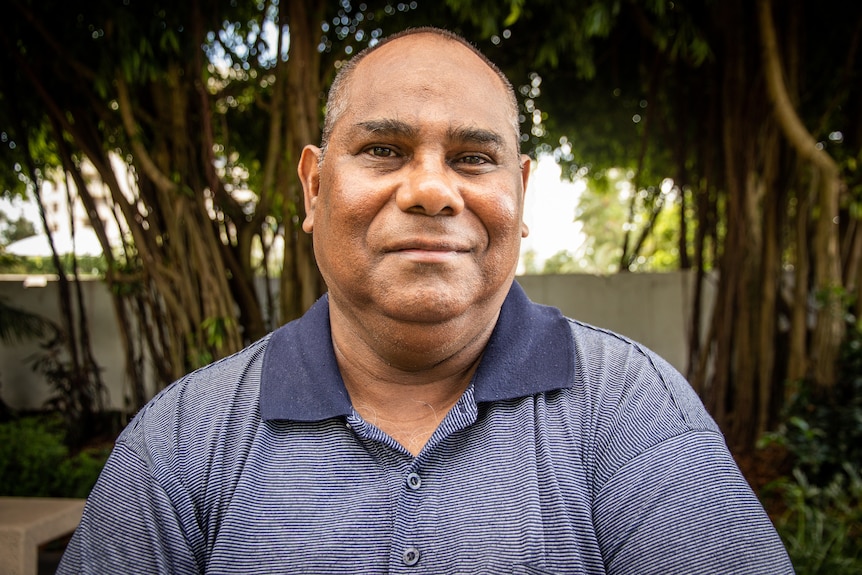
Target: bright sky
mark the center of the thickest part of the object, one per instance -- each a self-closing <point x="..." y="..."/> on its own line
<point x="549" y="211"/>
<point x="17" y="208"/>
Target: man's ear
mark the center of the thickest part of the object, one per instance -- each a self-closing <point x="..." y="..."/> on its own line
<point x="525" y="179"/>
<point x="309" y="174"/>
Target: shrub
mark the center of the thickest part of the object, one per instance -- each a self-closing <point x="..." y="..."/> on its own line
<point x="821" y="524"/>
<point x="35" y="462"/>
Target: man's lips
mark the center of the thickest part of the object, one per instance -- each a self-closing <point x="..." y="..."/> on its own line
<point x="428" y="250"/>
<point x="427" y="244"/>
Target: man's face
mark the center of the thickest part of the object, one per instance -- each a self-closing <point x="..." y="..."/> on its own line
<point x="417" y="207"/>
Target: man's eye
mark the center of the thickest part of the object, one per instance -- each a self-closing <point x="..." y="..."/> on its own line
<point x="472" y="160"/>
<point x="381" y="152"/>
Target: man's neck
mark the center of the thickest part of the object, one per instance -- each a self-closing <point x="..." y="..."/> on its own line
<point x="405" y="379"/>
<point x="409" y="413"/>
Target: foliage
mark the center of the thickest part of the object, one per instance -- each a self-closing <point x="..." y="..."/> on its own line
<point x="35" y="461"/>
<point x="17" y="324"/>
<point x="14" y="230"/>
<point x="86" y="265"/>
<point x="563" y="262"/>
<point x="822" y="428"/>
<point x="822" y="432"/>
<point x="76" y="396"/>
<point x="822" y="525"/>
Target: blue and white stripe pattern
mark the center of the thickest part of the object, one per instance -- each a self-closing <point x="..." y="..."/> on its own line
<point x="574" y="451"/>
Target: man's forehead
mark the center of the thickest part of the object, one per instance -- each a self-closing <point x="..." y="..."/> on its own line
<point x="454" y="132"/>
<point x="426" y="74"/>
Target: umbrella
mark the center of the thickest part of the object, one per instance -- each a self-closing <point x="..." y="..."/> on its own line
<point x="86" y="244"/>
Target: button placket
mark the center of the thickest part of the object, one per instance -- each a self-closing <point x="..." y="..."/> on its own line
<point x="412" y="522"/>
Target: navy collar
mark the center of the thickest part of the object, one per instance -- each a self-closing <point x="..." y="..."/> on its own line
<point x="530" y="351"/>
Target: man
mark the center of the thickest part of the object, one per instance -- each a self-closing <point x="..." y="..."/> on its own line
<point x="424" y="417"/>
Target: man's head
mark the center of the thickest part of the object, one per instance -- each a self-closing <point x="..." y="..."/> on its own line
<point x="416" y="207"/>
<point x="337" y="100"/>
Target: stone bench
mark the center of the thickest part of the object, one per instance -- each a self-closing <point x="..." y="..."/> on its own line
<point x="28" y="522"/>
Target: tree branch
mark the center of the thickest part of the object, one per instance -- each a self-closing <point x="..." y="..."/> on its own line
<point x="788" y="120"/>
<point x="152" y="171"/>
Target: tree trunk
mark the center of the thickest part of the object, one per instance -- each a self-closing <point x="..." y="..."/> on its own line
<point x="301" y="283"/>
<point x="770" y="270"/>
<point x="829" y="330"/>
<point x="797" y="366"/>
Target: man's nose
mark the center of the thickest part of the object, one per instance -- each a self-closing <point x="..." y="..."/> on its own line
<point x="430" y="189"/>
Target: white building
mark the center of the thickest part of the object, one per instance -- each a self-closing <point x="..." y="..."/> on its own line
<point x="64" y="211"/>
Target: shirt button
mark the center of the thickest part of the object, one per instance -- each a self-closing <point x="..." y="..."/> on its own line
<point x="410" y="556"/>
<point x="414" y="481"/>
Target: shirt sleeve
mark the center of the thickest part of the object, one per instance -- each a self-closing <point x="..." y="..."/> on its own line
<point x="131" y="525"/>
<point x="684" y="507"/>
<point x="669" y="496"/>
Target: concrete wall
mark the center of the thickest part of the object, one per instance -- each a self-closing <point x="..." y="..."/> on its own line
<point x="650" y="308"/>
<point x="653" y="309"/>
<point x="23" y="388"/>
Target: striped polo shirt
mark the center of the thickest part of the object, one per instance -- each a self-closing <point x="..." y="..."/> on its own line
<point x="573" y="451"/>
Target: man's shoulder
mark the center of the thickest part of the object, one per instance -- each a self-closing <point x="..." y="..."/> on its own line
<point x="223" y="392"/>
<point x="622" y="372"/>
<point x="603" y="349"/>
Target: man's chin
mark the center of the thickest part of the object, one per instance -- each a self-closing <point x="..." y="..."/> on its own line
<point x="428" y="305"/>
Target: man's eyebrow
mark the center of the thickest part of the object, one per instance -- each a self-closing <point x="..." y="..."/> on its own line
<point x="386" y="126"/>
<point x="479" y="136"/>
<point x="461" y="134"/>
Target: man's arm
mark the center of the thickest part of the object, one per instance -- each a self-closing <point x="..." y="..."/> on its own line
<point x="669" y="498"/>
<point x="131" y="525"/>
<point x="686" y="509"/>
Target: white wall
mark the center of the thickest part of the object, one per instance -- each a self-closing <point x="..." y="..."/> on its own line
<point x="649" y="308"/>
<point x="20" y="386"/>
